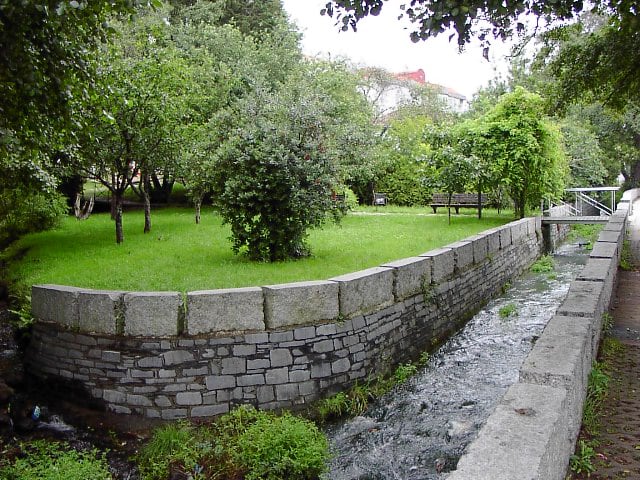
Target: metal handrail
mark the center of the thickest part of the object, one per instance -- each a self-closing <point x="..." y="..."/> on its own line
<point x="594" y="203"/>
<point x="567" y="207"/>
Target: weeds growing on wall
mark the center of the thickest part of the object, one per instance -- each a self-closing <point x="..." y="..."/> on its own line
<point x="581" y="462"/>
<point x="626" y="259"/>
<point x="245" y="443"/>
<point x="356" y="400"/>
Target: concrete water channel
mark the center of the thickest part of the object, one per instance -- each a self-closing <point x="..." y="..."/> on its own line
<point x="420" y="430"/>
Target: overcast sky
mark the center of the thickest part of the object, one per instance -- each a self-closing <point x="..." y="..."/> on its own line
<point x="383" y="41"/>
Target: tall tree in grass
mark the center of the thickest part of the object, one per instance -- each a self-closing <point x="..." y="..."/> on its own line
<point x="230" y="52"/>
<point x="133" y="117"/>
<point x="525" y="148"/>
<point x="274" y="175"/>
<point x="46" y="49"/>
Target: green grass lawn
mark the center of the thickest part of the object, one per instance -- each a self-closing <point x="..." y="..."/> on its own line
<point x="180" y="255"/>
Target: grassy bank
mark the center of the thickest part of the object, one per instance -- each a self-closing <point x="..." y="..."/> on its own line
<point x="180" y="255"/>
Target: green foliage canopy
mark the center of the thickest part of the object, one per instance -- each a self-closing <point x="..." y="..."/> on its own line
<point x="524" y="149"/>
<point x="274" y="174"/>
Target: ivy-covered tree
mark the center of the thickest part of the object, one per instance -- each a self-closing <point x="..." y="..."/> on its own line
<point x="273" y="176"/>
<point x="525" y="149"/>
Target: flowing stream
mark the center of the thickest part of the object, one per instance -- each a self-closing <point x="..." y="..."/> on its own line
<point x="420" y="429"/>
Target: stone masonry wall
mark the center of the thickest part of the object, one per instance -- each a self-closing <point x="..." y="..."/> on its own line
<point x="168" y="355"/>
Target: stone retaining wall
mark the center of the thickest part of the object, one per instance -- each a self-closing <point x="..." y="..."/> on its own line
<point x="169" y="355"/>
<point x="533" y="431"/>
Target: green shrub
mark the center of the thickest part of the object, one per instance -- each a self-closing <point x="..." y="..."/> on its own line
<point x="244" y="443"/>
<point x="544" y="264"/>
<point x="171" y="444"/>
<point x="26" y="212"/>
<point x="278" y="447"/>
<point x="582" y="461"/>
<point x="404" y="371"/>
<point x="508" y="310"/>
<point x="46" y="460"/>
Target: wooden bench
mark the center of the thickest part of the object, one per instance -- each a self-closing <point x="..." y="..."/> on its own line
<point x="467" y="200"/>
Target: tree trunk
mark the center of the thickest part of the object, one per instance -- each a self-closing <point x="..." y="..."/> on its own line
<point x="197" y="201"/>
<point x="112" y="198"/>
<point x="118" y="219"/>
<point x="480" y="203"/>
<point x="147" y="202"/>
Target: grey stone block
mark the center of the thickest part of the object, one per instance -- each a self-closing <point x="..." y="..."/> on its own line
<point x="188" y="398"/>
<point x="604" y="250"/>
<point x="277" y="376"/>
<point x="518" y="231"/>
<point x="287" y="392"/>
<point x="304" y="333"/>
<point x="98" y="310"/>
<point x="250" y="380"/>
<point x="609" y="236"/>
<point x="280" y="357"/>
<point x="614" y="227"/>
<point x="150" y="362"/>
<point x="365" y="291"/>
<point x="493" y="240"/>
<point x="584" y="299"/>
<point x="462" y="253"/>
<point x="524" y="438"/>
<point x="217" y="382"/>
<point x="598" y="270"/>
<point x="442" y="263"/>
<point x="55" y="303"/>
<point x="209" y="410"/>
<point x="480" y="247"/>
<point x="505" y="236"/>
<point x="225" y="310"/>
<point x="114" y="396"/>
<point x="152" y="314"/>
<point x="561" y="358"/>
<point x="410" y="276"/>
<point x="174" y="413"/>
<point x="231" y="366"/>
<point x="300" y="303"/>
<point x="176" y="357"/>
<point x="138" y="400"/>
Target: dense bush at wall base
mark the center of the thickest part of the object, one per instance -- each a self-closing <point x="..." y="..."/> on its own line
<point x="275" y="346"/>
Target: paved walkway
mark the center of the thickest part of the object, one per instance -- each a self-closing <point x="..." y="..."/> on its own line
<point x="618" y="452"/>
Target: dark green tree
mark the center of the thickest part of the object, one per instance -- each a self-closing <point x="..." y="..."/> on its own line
<point x="273" y="176"/>
<point x="524" y="149"/>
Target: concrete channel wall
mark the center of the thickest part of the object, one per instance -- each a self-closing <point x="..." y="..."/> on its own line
<point x="173" y="355"/>
<point x="533" y="431"/>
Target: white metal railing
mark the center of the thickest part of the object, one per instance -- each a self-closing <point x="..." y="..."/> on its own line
<point x="603" y="209"/>
<point x="559" y="207"/>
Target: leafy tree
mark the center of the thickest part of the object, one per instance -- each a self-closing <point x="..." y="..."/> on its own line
<point x="403" y="162"/>
<point x="453" y="172"/>
<point x="525" y="149"/>
<point x="46" y="49"/>
<point x="274" y="174"/>
<point x="226" y="65"/>
<point x="584" y="154"/>
<point x="133" y="116"/>
<point x="484" y="19"/>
